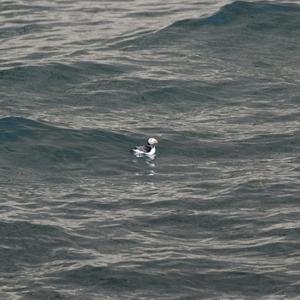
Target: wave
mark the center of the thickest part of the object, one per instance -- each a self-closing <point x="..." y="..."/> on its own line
<point x="35" y="150"/>
<point x="245" y="12"/>
<point x="39" y="146"/>
<point x="56" y="74"/>
<point x="41" y="239"/>
<point x="13" y="31"/>
<point x="19" y="129"/>
<point x="237" y="17"/>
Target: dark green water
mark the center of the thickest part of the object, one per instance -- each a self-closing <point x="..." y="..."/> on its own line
<point x="215" y="215"/>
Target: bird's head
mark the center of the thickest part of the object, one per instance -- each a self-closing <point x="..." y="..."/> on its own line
<point x="152" y="141"/>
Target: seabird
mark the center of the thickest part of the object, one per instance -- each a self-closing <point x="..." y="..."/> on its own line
<point x="148" y="149"/>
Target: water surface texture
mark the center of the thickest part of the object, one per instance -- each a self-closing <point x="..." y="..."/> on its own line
<point x="215" y="215"/>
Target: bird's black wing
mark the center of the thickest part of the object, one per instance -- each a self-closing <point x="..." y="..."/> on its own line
<point x="145" y="148"/>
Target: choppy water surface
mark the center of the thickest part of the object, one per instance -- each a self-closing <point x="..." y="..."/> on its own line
<point x="215" y="215"/>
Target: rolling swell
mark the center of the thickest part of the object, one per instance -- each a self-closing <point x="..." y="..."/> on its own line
<point x="42" y="147"/>
<point x="52" y="146"/>
<point x="246" y="13"/>
<point x="251" y="19"/>
<point x="55" y="76"/>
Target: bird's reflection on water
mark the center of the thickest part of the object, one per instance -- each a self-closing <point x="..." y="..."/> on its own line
<point x="149" y="160"/>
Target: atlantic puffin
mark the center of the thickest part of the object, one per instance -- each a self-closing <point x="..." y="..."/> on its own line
<point x="148" y="149"/>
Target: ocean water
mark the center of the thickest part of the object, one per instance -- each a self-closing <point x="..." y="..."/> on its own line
<point x="215" y="215"/>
